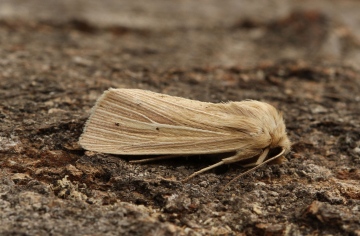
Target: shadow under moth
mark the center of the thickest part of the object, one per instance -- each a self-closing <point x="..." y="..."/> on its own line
<point x="140" y="122"/>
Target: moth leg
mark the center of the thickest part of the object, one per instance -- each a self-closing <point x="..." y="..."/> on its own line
<point x="260" y="159"/>
<point x="237" y="157"/>
<point x="254" y="168"/>
<point x="155" y="158"/>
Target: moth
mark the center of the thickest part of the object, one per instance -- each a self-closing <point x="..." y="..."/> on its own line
<point x="140" y="122"/>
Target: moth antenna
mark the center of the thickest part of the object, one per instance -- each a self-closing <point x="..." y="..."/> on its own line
<point x="155" y="158"/>
<point x="203" y="170"/>
<point x="252" y="169"/>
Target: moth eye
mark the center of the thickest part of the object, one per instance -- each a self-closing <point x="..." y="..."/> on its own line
<point x="274" y="151"/>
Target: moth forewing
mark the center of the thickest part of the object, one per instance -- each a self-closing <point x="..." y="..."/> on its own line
<point x="140" y="122"/>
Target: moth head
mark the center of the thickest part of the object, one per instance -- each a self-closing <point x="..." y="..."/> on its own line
<point x="282" y="145"/>
<point x="279" y="138"/>
<point x="285" y="143"/>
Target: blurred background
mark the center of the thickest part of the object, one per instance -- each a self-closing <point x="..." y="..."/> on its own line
<point x="208" y="32"/>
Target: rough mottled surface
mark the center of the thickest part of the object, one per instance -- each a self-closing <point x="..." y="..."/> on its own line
<point x="303" y="58"/>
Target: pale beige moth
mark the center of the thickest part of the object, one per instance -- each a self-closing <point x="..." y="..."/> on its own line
<point x="140" y="122"/>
